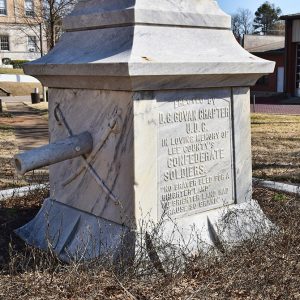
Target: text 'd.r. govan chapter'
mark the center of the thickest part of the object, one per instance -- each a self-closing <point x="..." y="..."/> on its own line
<point x="195" y="156"/>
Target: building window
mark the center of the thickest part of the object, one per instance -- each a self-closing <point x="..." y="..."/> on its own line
<point x="29" y="10"/>
<point x="4" y="42"/>
<point x="3" y="7"/>
<point x="32" y="45"/>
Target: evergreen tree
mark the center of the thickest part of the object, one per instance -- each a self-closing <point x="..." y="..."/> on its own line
<point x="266" y="18"/>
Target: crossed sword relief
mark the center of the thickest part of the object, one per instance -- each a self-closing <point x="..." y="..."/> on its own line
<point x="88" y="161"/>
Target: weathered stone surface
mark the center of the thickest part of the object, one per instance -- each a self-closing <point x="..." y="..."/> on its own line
<point x="93" y="111"/>
<point x="59" y="151"/>
<point x="163" y="89"/>
<point x="73" y="234"/>
<point x="198" y="151"/>
<point x="93" y="14"/>
<point x="183" y="44"/>
<point x="195" y="154"/>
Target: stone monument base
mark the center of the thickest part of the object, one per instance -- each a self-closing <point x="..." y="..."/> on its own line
<point x="76" y="235"/>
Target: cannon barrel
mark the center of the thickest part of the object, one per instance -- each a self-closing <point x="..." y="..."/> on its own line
<point x="53" y="153"/>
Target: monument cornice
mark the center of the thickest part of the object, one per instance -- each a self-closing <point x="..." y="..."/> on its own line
<point x="148" y="53"/>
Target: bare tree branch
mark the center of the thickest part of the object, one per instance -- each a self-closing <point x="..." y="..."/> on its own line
<point x="45" y="21"/>
<point x="242" y="23"/>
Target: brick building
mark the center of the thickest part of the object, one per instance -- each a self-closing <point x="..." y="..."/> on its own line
<point x="20" y="30"/>
<point x="292" y="54"/>
<point x="270" y="48"/>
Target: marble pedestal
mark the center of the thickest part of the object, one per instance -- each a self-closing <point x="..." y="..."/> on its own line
<point x="162" y="86"/>
<point x="180" y="158"/>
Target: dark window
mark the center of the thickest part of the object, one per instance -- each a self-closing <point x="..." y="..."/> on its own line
<point x="3" y="7"/>
<point x="4" y="42"/>
<point x="29" y="9"/>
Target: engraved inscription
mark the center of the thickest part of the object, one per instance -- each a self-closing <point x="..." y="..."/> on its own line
<point x="195" y="165"/>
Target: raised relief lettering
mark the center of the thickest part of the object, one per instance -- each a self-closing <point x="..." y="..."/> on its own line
<point x="194" y="156"/>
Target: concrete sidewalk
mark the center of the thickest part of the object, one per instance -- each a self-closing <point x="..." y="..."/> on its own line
<point x="31" y="128"/>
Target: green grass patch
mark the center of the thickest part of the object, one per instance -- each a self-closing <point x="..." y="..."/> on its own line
<point x="6" y="127"/>
<point x="280" y="197"/>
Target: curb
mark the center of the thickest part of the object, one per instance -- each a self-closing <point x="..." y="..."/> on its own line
<point x="284" y="187"/>
<point x="19" y="192"/>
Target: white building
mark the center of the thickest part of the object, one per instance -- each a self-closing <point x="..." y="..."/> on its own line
<point x="20" y="30"/>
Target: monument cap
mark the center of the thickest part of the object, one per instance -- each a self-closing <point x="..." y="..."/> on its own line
<point x="90" y="14"/>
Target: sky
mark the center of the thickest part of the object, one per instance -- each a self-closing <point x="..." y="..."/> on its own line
<point x="287" y="6"/>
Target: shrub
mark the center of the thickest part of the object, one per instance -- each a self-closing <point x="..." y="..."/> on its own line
<point x="17" y="64"/>
<point x="6" y="61"/>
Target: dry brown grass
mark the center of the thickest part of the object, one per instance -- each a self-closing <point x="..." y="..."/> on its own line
<point x="42" y="106"/>
<point x="20" y="89"/>
<point x="258" y="269"/>
<point x="8" y="147"/>
<point x="11" y="71"/>
<point x="264" y="269"/>
<point x="276" y="147"/>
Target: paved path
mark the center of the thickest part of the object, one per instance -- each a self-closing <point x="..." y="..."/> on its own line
<point x="16" y="98"/>
<point x="31" y="129"/>
<point x="277" y="109"/>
